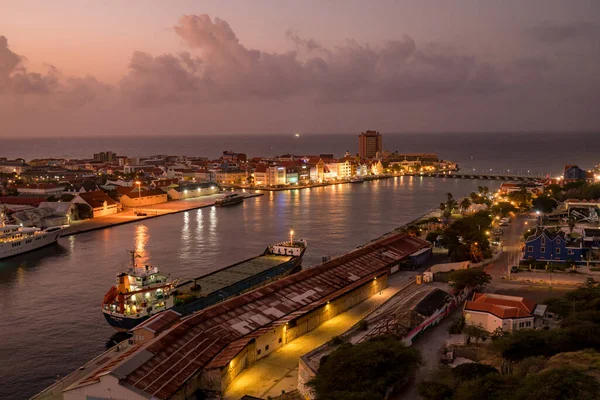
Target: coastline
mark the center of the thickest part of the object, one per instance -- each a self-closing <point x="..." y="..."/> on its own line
<point x="153" y="211"/>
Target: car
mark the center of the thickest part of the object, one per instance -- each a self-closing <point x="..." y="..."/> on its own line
<point x="498" y="232"/>
<point x="503" y="223"/>
<point x="514" y="269"/>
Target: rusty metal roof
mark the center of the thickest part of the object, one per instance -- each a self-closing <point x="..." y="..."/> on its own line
<point x="211" y="337"/>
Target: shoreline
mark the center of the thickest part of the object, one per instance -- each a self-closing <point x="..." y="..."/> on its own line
<point x="153" y="211"/>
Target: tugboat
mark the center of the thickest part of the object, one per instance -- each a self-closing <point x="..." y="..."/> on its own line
<point x="139" y="293"/>
<point x="229" y="200"/>
<point x="143" y="292"/>
<point x="15" y="239"/>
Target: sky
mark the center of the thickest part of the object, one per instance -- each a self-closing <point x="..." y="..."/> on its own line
<point x="90" y="68"/>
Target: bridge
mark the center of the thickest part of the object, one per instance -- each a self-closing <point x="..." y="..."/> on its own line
<point x="491" y="177"/>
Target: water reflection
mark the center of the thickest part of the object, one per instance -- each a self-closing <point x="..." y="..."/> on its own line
<point x="141" y="240"/>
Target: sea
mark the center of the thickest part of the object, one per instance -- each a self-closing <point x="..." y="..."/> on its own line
<point x="538" y="153"/>
<point x="50" y="317"/>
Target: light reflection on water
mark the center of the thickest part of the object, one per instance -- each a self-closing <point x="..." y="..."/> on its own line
<point x="50" y="299"/>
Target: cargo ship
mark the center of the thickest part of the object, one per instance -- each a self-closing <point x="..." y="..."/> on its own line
<point x="142" y="291"/>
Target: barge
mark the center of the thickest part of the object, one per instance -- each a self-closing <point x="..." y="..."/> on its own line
<point x="142" y="291"/>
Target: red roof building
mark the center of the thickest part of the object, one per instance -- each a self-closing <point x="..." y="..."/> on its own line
<point x="493" y="311"/>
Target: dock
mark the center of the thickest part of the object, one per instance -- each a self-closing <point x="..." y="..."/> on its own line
<point x="153" y="211"/>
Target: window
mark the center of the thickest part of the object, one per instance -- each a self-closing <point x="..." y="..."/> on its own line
<point x="521" y="324"/>
<point x="557" y="251"/>
<point x="530" y="248"/>
<point x="570" y="251"/>
<point x="530" y="258"/>
<point x="543" y="241"/>
<point x="542" y="258"/>
<point x="258" y="352"/>
<point x="266" y="347"/>
<point x="543" y="249"/>
<point x="528" y="323"/>
<point x="557" y="241"/>
<point x="280" y="340"/>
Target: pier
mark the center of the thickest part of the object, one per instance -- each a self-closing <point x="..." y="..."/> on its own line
<point x="490" y="177"/>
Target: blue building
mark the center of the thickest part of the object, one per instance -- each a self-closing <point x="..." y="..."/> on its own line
<point x="546" y="245"/>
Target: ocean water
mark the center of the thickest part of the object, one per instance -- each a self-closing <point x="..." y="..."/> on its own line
<point x="539" y="153"/>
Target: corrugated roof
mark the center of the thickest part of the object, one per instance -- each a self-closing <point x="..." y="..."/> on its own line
<point x="224" y="329"/>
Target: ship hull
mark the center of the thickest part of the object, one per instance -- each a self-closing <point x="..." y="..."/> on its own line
<point x="7" y="251"/>
<point x="123" y="324"/>
<point x="229" y="203"/>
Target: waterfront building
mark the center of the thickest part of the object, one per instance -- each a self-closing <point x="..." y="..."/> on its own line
<point x="317" y="169"/>
<point x="496" y="311"/>
<point x="170" y="357"/>
<point x="369" y="144"/>
<point x="191" y="190"/>
<point x="143" y="197"/>
<point x="99" y="203"/>
<point x="230" y="177"/>
<point x="377" y="168"/>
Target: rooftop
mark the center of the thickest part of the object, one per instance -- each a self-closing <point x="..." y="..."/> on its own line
<point x="501" y="306"/>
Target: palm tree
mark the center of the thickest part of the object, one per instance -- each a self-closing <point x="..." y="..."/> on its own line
<point x="465" y="204"/>
<point x="480" y="189"/>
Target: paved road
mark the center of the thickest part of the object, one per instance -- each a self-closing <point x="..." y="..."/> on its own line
<point x="512" y="239"/>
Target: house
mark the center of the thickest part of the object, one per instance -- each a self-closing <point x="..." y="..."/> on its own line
<point x="143" y="197"/>
<point x="317" y="169"/>
<point x="493" y="311"/>
<point x="552" y="246"/>
<point x="100" y="204"/>
<point x="63" y="209"/>
<point x="591" y="244"/>
<point x="192" y="190"/>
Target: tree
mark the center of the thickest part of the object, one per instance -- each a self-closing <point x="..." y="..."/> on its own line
<point x="566" y="383"/>
<point x="465" y="204"/>
<point x="544" y="203"/>
<point x="468" y="371"/>
<point x="366" y="370"/>
<point x="476" y="332"/>
<point x="503" y="208"/>
<point x="470" y="277"/>
<point x="431" y="390"/>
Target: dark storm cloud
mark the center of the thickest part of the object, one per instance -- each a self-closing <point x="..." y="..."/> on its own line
<point x="554" y="32"/>
<point x="16" y="79"/>
<point x="398" y="70"/>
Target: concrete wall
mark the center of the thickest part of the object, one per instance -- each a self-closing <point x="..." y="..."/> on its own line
<point x="105" y="210"/>
<point x="143" y="201"/>
<point x="490" y="322"/>
<point x="315" y="318"/>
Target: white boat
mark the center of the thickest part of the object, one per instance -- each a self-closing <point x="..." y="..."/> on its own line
<point x="15" y="239"/>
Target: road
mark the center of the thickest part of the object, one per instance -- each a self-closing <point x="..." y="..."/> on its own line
<point x="511" y="247"/>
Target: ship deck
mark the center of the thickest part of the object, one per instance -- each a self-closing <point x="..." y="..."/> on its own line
<point x="231" y="275"/>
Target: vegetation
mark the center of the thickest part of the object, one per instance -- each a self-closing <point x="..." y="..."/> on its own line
<point x="503" y="208"/>
<point x="561" y="363"/>
<point x="544" y="203"/>
<point x="470" y="277"/>
<point x="367" y="370"/>
<point x="522" y="198"/>
<point x="466" y="238"/>
<point x="574" y="190"/>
